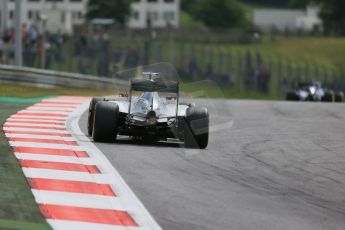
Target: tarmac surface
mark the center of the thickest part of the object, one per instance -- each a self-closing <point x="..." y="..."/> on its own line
<point x="269" y="165"/>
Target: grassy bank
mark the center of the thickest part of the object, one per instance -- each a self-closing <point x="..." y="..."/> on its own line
<point x="18" y="209"/>
<point x="327" y="52"/>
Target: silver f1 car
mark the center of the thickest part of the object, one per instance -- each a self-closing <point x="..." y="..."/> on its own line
<point x="151" y="111"/>
<point x="314" y="92"/>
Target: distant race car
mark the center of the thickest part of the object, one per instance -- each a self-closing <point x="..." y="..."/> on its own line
<point x="151" y="111"/>
<point x="314" y="92"/>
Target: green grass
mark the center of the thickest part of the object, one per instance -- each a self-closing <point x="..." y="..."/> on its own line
<point x="325" y="52"/>
<point x="22" y="225"/>
<point x="18" y="209"/>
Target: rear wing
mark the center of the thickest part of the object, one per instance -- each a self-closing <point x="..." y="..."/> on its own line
<point x="157" y="85"/>
<point x="154" y="86"/>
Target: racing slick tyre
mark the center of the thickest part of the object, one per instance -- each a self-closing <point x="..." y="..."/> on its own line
<point x="328" y="97"/>
<point x="91" y="114"/>
<point x="292" y="96"/>
<point x="105" y="122"/>
<point x="196" y="128"/>
<point x="339" y="97"/>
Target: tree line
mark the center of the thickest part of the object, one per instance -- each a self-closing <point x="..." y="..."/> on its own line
<point x="223" y="14"/>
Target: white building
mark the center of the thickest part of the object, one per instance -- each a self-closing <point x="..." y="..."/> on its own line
<point x="277" y="18"/>
<point x="160" y="13"/>
<point x="61" y="14"/>
<point x="311" y="18"/>
<point x="287" y="19"/>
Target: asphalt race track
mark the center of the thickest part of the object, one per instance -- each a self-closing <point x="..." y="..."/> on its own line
<point x="269" y="165"/>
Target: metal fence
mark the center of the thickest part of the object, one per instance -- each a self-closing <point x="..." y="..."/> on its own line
<point x="237" y="69"/>
<point x="50" y="78"/>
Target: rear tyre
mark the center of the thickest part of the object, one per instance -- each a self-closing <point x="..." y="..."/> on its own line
<point x="328" y="97"/>
<point x="105" y="123"/>
<point x="196" y="128"/>
<point x="91" y="114"/>
<point x="339" y="97"/>
<point x="292" y="96"/>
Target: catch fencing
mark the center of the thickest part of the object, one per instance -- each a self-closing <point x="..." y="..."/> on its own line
<point x="237" y="69"/>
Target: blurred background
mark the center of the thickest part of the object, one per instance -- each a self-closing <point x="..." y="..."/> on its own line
<point x="248" y="47"/>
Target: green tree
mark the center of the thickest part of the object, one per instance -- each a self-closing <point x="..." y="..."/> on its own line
<point x="218" y="13"/>
<point x="332" y="14"/>
<point x="299" y="3"/>
<point x="119" y="10"/>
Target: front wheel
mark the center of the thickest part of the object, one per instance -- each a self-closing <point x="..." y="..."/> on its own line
<point x="105" y="122"/>
<point x="196" y="130"/>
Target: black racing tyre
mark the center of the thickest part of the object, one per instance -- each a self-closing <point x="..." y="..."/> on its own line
<point x="292" y="96"/>
<point x="196" y="128"/>
<point x="91" y="114"/>
<point x="328" y="97"/>
<point x="105" y="124"/>
<point x="339" y="97"/>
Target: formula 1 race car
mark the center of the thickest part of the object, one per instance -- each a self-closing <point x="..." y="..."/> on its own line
<point x="151" y="111"/>
<point x="314" y="92"/>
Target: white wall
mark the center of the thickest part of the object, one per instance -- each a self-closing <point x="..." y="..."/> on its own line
<point x="292" y="19"/>
<point x="281" y="19"/>
<point x="160" y="12"/>
<point x="59" y="13"/>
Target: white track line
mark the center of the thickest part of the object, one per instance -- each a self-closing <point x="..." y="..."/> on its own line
<point x="80" y="200"/>
<point x="33" y="121"/>
<point x="46" y="108"/>
<point x="53" y="158"/>
<point x="9" y="123"/>
<point x="35" y="130"/>
<point x="56" y="105"/>
<point x="43" y="112"/>
<point x="47" y="145"/>
<point x="66" y="175"/>
<point x="84" y="98"/>
<point x="39" y="117"/>
<point x="43" y="137"/>
<point x="69" y="225"/>
<point x="64" y="101"/>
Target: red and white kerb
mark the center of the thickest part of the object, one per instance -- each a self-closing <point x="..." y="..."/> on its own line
<point x="73" y="183"/>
